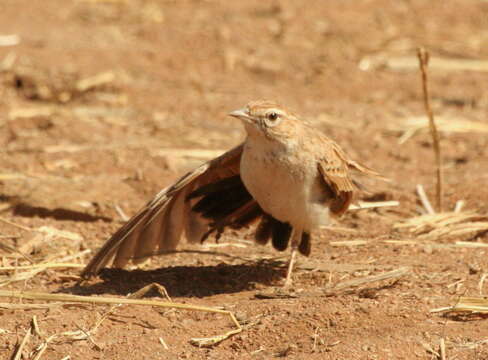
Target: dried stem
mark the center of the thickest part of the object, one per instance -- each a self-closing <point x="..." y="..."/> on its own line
<point x="31" y="295"/>
<point x="466" y="304"/>
<point x="423" y="57"/>
<point x="368" y="279"/>
<point x="424" y="199"/>
<point x="442" y="349"/>
<point x="18" y="352"/>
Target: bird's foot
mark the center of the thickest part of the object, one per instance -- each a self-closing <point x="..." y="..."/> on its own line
<point x="288" y="282"/>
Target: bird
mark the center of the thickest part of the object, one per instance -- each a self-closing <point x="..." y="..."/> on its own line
<point x="287" y="177"/>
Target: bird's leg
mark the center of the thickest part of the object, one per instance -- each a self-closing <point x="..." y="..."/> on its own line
<point x="296" y="236"/>
<point x="288" y="280"/>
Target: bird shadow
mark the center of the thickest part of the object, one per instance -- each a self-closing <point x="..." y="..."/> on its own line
<point x="26" y="210"/>
<point x="186" y="281"/>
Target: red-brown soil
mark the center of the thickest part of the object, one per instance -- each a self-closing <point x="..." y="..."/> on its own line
<point x="70" y="156"/>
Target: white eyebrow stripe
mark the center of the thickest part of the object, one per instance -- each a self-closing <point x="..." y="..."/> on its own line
<point x="275" y="110"/>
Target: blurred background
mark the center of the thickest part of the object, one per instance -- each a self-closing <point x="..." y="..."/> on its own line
<point x="105" y="86"/>
<point x="105" y="102"/>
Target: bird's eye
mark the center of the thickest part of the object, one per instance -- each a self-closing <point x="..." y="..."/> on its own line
<point x="272" y="116"/>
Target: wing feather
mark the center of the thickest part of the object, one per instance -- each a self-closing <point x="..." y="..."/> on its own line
<point x="159" y="225"/>
<point x="335" y="173"/>
<point x="173" y="225"/>
<point x="335" y="166"/>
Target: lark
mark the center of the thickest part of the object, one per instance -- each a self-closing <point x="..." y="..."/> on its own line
<point x="286" y="176"/>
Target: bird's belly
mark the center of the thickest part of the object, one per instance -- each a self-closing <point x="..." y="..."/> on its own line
<point x="287" y="196"/>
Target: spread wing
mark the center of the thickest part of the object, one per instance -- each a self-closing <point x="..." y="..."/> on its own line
<point x="206" y="200"/>
<point x="179" y="209"/>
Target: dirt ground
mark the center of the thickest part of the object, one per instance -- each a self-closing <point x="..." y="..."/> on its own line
<point x="105" y="102"/>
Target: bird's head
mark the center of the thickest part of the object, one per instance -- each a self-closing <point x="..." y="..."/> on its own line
<point x="267" y="118"/>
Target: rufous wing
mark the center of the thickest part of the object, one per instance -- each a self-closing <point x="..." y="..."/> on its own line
<point x="335" y="173"/>
<point x="335" y="167"/>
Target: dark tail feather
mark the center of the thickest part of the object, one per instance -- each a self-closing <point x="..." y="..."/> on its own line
<point x="264" y="230"/>
<point x="305" y="246"/>
<point x="280" y="234"/>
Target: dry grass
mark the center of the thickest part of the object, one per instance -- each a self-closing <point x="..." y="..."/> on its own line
<point x="472" y="305"/>
<point x="410" y="63"/>
<point x="413" y="125"/>
<point x="444" y="225"/>
<point x="31" y="295"/>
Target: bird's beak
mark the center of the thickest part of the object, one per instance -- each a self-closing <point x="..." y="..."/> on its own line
<point x="241" y="114"/>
